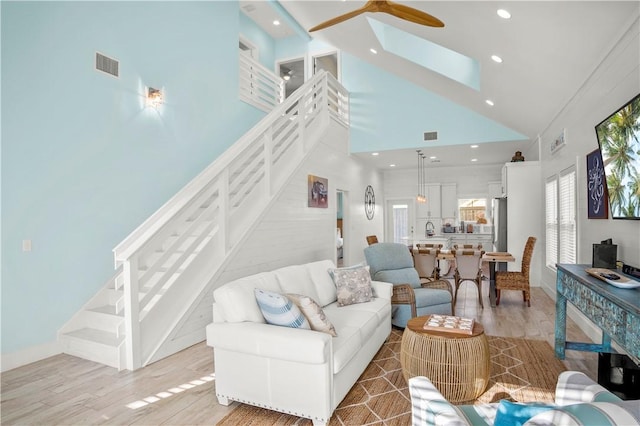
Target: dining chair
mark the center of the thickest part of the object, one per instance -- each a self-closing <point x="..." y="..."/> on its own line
<point x="468" y="268"/>
<point x="467" y="246"/>
<point x="372" y="239"/>
<point x="428" y="245"/>
<point x="425" y="260"/>
<point x="392" y="263"/>
<point x="517" y="280"/>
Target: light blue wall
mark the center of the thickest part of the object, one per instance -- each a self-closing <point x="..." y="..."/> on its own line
<point x="388" y="112"/>
<point x="266" y="45"/>
<point x="83" y="164"/>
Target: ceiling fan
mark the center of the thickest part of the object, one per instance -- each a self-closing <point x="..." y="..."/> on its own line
<point x="403" y="12"/>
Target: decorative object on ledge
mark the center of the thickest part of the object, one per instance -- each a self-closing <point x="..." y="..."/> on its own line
<point x="318" y="191"/>
<point x="517" y="157"/>
<point x="369" y="202"/>
<point x="559" y="142"/>
<point x="597" y="200"/>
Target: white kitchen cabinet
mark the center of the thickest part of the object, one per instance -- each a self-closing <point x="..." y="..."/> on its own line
<point x="475" y="239"/>
<point x="449" y="201"/>
<point x="495" y="189"/>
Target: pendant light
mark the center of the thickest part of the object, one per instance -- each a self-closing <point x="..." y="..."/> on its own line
<point x="420" y="197"/>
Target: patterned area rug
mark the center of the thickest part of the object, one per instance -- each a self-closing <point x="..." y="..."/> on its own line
<point x="521" y="370"/>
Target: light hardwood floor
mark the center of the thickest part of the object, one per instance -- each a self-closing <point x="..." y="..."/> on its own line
<point x="179" y="390"/>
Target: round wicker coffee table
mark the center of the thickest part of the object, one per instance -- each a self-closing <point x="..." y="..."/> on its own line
<point x="457" y="364"/>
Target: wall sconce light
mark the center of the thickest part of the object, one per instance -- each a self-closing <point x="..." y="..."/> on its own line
<point x="154" y="97"/>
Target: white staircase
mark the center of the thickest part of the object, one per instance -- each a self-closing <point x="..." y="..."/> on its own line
<point x="166" y="264"/>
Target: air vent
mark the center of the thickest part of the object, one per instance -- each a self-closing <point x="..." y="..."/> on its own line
<point x="248" y="8"/>
<point x="106" y="64"/>
<point x="430" y="136"/>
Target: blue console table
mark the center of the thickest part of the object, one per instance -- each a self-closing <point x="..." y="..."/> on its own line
<point x="616" y="311"/>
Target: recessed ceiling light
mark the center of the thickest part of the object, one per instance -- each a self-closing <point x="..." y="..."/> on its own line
<point x="392" y="165"/>
<point x="375" y="153"/>
<point x="496" y="58"/>
<point x="433" y="157"/>
<point x="504" y="14"/>
<point x="474" y="159"/>
<point x="374" y="51"/>
<point x="489" y="102"/>
<point x="276" y="22"/>
<point x="474" y="146"/>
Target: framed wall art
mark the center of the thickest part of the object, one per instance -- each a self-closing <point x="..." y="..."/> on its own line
<point x="318" y="191"/>
<point x="597" y="201"/>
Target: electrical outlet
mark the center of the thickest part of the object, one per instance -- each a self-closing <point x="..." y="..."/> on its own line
<point x="26" y="245"/>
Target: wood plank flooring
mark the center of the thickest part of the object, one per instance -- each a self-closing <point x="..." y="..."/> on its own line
<point x="179" y="390"/>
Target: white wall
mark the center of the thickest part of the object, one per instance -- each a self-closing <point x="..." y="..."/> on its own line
<point x="615" y="81"/>
<point x="291" y="233"/>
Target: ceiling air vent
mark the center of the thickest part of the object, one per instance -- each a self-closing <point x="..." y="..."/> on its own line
<point x="249" y="8"/>
<point x="430" y="136"/>
<point x="106" y="64"/>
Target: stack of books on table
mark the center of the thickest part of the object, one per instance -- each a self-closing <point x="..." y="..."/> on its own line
<point x="449" y="324"/>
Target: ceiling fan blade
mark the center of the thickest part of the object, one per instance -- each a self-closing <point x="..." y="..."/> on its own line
<point x="410" y="14"/>
<point x="341" y="18"/>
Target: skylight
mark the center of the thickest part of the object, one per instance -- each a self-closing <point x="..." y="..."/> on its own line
<point x="427" y="54"/>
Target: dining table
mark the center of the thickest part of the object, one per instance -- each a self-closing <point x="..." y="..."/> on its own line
<point x="492" y="258"/>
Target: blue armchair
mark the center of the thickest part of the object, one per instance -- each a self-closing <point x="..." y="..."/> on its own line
<point x="393" y="263"/>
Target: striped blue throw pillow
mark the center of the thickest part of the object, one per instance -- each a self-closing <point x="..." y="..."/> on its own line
<point x="277" y="309"/>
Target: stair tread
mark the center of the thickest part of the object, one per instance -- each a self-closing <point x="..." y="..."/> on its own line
<point x="97" y="336"/>
<point x="106" y="309"/>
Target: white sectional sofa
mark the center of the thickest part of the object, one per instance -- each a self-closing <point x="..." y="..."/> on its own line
<point x="291" y="370"/>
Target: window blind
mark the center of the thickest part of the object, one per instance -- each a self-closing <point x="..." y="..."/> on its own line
<point x="567" y="215"/>
<point x="551" y="221"/>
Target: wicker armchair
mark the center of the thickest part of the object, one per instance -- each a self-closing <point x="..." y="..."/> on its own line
<point x="393" y="263"/>
<point x="513" y="280"/>
<point x="468" y="268"/>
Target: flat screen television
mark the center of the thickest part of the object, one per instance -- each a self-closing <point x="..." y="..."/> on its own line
<point x="619" y="142"/>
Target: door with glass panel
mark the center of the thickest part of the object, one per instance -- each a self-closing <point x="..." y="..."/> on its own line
<point x="399" y="221"/>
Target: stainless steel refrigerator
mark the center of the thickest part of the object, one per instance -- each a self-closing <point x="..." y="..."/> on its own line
<point x="499" y="214"/>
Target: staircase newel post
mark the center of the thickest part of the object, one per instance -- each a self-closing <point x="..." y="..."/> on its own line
<point x="131" y="313"/>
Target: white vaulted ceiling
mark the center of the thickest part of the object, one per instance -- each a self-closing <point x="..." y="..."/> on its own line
<point x="549" y="49"/>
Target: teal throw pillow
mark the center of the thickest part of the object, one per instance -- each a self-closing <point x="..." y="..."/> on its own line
<point x="516" y="413"/>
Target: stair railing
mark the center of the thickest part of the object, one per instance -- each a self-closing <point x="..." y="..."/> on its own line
<point x="169" y="257"/>
<point x="259" y="86"/>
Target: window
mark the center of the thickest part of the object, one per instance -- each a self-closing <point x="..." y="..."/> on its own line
<point x="560" y="218"/>
<point x="472" y="210"/>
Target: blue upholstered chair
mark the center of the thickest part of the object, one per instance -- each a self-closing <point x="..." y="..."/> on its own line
<point x="393" y="263"/>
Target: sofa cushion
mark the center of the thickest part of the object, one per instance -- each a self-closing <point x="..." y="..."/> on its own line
<point x="236" y="300"/>
<point x="319" y="275"/>
<point x="517" y="414"/>
<point x="431" y="297"/>
<point x="314" y="313"/>
<point x="398" y="276"/>
<point x="296" y="279"/>
<point x="352" y="285"/>
<point x="277" y="309"/>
